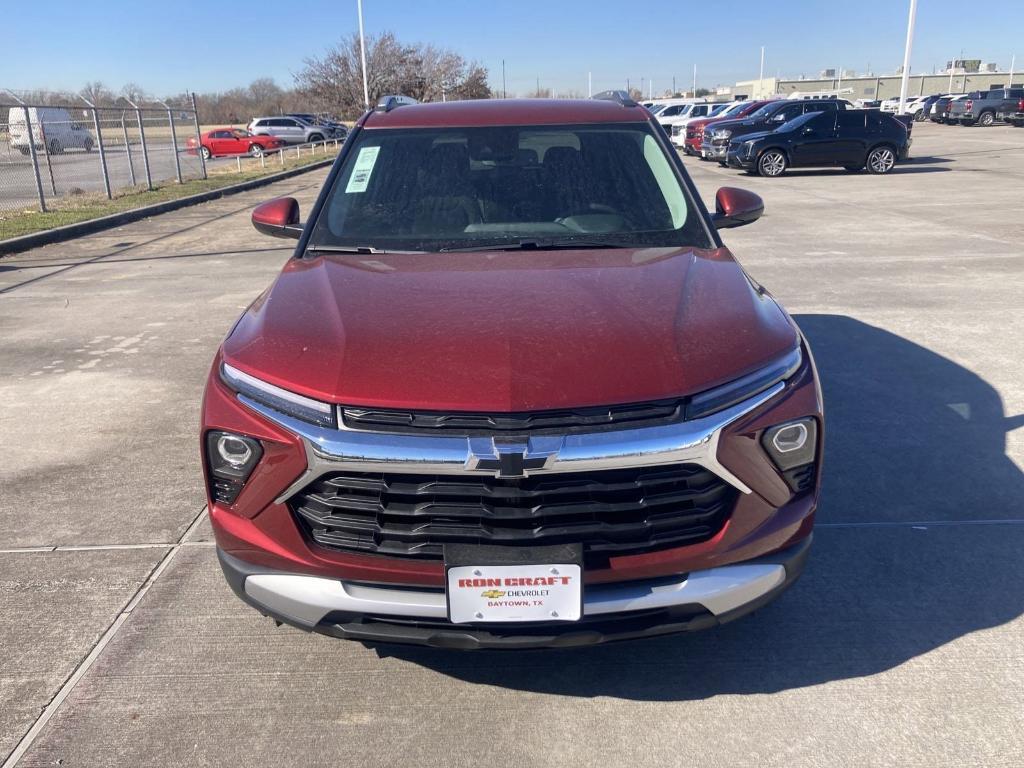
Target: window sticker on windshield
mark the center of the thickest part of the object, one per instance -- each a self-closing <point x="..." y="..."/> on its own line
<point x="360" y="177"/>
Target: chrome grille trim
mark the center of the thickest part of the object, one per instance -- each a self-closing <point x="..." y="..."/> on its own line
<point x="690" y="442"/>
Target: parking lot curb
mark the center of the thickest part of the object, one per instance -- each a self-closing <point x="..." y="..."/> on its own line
<point x="71" y="231"/>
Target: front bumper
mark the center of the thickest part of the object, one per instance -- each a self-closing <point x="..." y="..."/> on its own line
<point x="739" y="159"/>
<point x="712" y="151"/>
<point x="622" y="611"/>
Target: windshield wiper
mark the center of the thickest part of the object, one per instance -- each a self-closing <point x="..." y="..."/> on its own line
<point x="367" y="249"/>
<point x="536" y="245"/>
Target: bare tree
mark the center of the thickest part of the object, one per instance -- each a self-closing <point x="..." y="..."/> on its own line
<point x="424" y="72"/>
<point x="97" y="93"/>
<point x="133" y="92"/>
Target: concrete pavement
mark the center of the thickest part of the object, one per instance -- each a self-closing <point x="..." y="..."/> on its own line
<point x="900" y="646"/>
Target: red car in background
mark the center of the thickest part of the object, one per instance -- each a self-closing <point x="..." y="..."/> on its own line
<point x="695" y="128"/>
<point x="233" y="141"/>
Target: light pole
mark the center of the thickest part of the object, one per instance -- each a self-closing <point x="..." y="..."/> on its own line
<point x="362" y="55"/>
<point x="1013" y="63"/>
<point x="590" y="84"/>
<point x="760" y="77"/>
<point x="906" y="56"/>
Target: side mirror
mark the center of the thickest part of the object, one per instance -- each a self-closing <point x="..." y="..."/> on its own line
<point x="735" y="207"/>
<point x="278" y="218"/>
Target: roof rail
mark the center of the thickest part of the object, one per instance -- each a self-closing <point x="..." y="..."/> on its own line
<point x="387" y="103"/>
<point x="621" y="97"/>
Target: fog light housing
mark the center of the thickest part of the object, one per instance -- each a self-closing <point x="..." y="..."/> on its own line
<point x="230" y="459"/>
<point x="793" y="447"/>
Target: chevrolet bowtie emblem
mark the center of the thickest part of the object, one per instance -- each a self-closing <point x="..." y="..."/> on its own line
<point x="512" y="459"/>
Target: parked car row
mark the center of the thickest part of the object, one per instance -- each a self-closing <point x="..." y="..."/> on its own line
<point x="767" y="137"/>
<point x="983" y="108"/>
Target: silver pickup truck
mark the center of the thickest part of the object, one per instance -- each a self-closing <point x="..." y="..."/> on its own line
<point x="985" y="107"/>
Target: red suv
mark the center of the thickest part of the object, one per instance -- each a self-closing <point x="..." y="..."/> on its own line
<point x="511" y="391"/>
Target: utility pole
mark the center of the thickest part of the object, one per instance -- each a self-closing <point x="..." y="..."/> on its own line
<point x="906" y="56"/>
<point x="504" y="90"/>
<point x="760" y="76"/>
<point x="1013" y="63"/>
<point x="694" y="81"/>
<point x="362" y="55"/>
<point x="673" y="85"/>
<point x="590" y="84"/>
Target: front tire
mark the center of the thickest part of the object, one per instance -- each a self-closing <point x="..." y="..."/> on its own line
<point x="88" y="146"/>
<point x="255" y="150"/>
<point x="316" y="137"/>
<point x="206" y="153"/>
<point x="771" y="163"/>
<point x="881" y="160"/>
<point x="55" y="147"/>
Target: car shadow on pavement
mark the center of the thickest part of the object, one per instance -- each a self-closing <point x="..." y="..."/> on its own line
<point x="916" y="545"/>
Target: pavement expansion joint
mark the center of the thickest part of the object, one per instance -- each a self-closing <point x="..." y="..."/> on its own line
<point x="69" y="685"/>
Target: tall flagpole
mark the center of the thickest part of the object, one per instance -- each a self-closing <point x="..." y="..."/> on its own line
<point x="362" y="55"/>
<point x="906" y="57"/>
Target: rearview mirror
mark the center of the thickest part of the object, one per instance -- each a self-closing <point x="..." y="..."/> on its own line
<point x="735" y="207"/>
<point x="278" y="218"/>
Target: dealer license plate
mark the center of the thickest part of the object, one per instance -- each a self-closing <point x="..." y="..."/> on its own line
<point x="510" y="593"/>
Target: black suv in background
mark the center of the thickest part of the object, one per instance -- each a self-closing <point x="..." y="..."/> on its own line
<point x="854" y="139"/>
<point x="767" y="118"/>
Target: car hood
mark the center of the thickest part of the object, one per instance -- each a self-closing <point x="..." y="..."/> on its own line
<point x="756" y="135"/>
<point x="509" y="330"/>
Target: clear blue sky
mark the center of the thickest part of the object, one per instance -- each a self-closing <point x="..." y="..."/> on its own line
<point x="168" y="47"/>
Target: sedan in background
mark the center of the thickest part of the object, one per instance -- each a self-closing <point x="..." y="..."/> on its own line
<point x="853" y="139"/>
<point x="232" y="141"/>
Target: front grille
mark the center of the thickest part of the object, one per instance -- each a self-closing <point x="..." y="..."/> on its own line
<point x="611" y="512"/>
<point x="562" y="421"/>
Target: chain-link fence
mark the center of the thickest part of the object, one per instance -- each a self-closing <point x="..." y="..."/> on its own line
<point x="50" y="155"/>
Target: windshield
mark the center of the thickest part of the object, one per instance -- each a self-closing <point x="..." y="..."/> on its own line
<point x="735" y="109"/>
<point x="718" y="110"/>
<point x="434" y="189"/>
<point x="797" y="121"/>
<point x="757" y="114"/>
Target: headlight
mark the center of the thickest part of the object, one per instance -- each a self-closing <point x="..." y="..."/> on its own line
<point x="230" y="459"/>
<point x="748" y="146"/>
<point x="793" y="446"/>
<point x="744" y="387"/>
<point x="304" y="408"/>
<point x="724" y="133"/>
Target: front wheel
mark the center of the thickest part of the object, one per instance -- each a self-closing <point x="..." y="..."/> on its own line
<point x="88" y="146"/>
<point x="255" y="150"/>
<point x="881" y="160"/>
<point x="315" y="138"/>
<point x="771" y="163"/>
<point x="55" y="147"/>
<point x="919" y="116"/>
<point x="206" y="153"/>
<point x="986" y="119"/>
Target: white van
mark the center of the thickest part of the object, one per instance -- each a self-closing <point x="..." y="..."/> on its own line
<point x="53" y="128"/>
